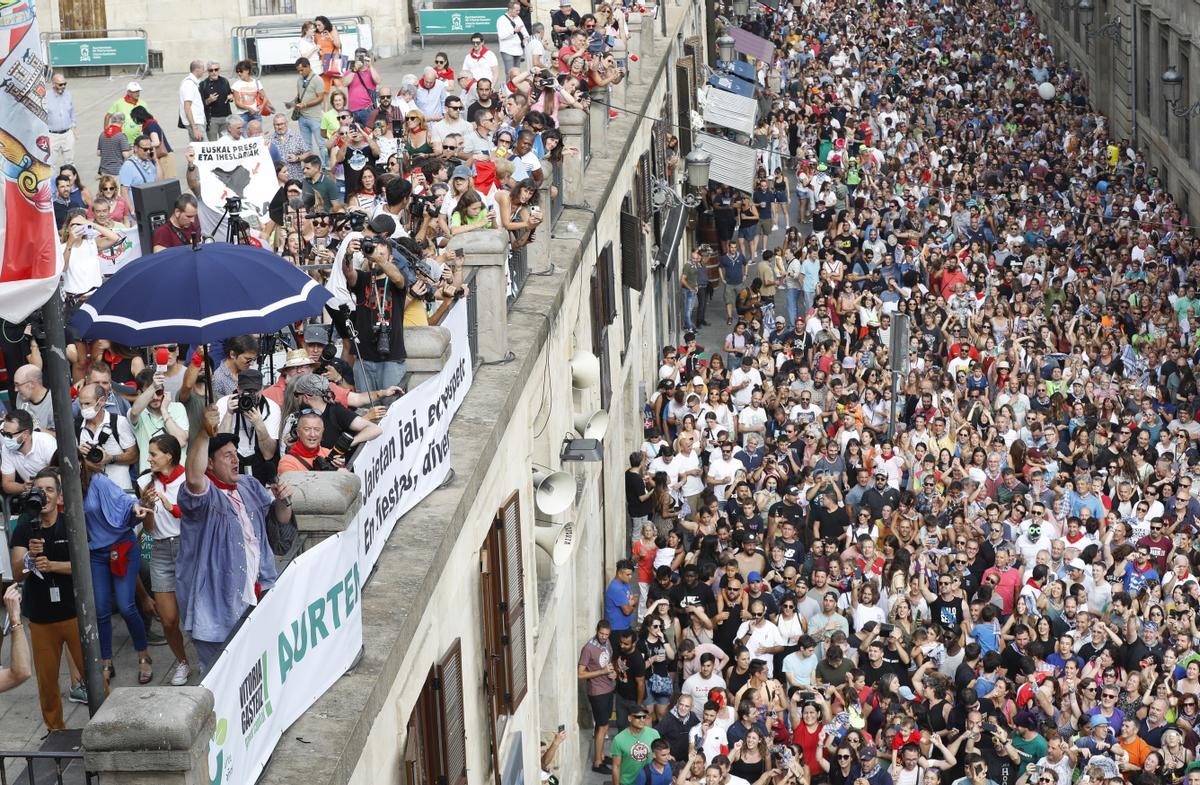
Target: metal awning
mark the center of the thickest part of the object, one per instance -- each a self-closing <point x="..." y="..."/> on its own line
<point x="735" y="111"/>
<point x="731" y="84"/>
<point x="672" y="234"/>
<point x="732" y="163"/>
<point x="751" y="45"/>
<point x="739" y="68"/>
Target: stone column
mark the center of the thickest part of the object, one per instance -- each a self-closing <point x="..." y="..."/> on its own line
<point x="620" y="52"/>
<point x="324" y="502"/>
<point x="151" y="736"/>
<point x="571" y="123"/>
<point x="428" y="350"/>
<point x="486" y="250"/>
<point x="539" y="247"/>
<point x="634" y="67"/>
<point x="598" y="118"/>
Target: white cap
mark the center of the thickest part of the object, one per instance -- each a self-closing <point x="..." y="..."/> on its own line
<point x="1077" y="564"/>
<point x="133" y="87"/>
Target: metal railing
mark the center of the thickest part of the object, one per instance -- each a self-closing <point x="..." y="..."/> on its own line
<point x="50" y="768"/>
<point x="473" y="319"/>
<point x="272" y="7"/>
<point x="556" y="193"/>
<point x="585" y="147"/>
<point x="518" y="272"/>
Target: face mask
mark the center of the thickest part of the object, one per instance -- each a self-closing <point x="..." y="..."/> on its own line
<point x="10" y="444"/>
<point x="88" y="414"/>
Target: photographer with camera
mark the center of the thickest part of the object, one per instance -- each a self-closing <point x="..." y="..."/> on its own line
<point x="106" y="440"/>
<point x="362" y="85"/>
<point x="309" y="391"/>
<point x="306" y="453"/>
<point x="381" y="294"/>
<point x="154" y="412"/>
<point x="41" y="561"/>
<point x="182" y="228"/>
<point x="26" y="451"/>
<point x="253" y="420"/>
<point x="319" y="357"/>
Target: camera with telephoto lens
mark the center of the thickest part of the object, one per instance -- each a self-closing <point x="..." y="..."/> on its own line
<point x="383" y="337"/>
<point x="426" y="204"/>
<point x="32" y="501"/>
<point x="247" y="401"/>
<point x="545" y="80"/>
<point x="328" y="353"/>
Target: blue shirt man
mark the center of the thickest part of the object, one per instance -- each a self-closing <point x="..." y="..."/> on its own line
<point x="620" y="605"/>
<point x="733" y="266"/>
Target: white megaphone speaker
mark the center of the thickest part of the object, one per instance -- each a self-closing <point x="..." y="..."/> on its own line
<point x="593" y="427"/>
<point x="553" y="492"/>
<point x="585" y="370"/>
<point x="556" y="540"/>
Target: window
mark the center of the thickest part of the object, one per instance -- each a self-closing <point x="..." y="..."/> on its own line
<point x="504" y="609"/>
<point x="1185" y="67"/>
<point x="604" y="310"/>
<point x="633" y="253"/>
<point x="1164" y="55"/>
<point x="684" y="87"/>
<point x="435" y="747"/>
<point x="272" y="7"/>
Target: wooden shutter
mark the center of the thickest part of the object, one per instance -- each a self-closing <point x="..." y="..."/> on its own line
<point x="514" y="599"/>
<point x="596" y="289"/>
<point x="633" y="253"/>
<point x="608" y="282"/>
<point x="416" y="765"/>
<point x="449" y="685"/>
<point x="685" y="87"/>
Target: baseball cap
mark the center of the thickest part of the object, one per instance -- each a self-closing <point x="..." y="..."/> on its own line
<point x="1097" y="720"/>
<point x="792" y="490"/>
<point x="316" y="333"/>
<point x="250" y="379"/>
<point x="754" y="577"/>
<point x="1076" y="564"/>
<point x="462" y="171"/>
<point x="867" y="752"/>
<point x="133" y="87"/>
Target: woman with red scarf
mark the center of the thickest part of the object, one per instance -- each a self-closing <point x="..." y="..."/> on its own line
<point x="160" y="492"/>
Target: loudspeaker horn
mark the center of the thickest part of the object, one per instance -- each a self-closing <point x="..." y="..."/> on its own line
<point x="556" y="540"/>
<point x="553" y="492"/>
<point x="585" y="370"/>
<point x="593" y="427"/>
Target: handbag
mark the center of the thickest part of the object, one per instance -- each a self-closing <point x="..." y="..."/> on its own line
<point x="299" y="95"/>
<point x="118" y="558"/>
<point x="334" y="64"/>
<point x="372" y="94"/>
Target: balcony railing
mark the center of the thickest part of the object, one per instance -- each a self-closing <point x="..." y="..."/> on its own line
<point x="43" y="768"/>
<point x="518" y="272"/>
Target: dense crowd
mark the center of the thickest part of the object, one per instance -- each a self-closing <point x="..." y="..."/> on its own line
<point x="1002" y="590"/>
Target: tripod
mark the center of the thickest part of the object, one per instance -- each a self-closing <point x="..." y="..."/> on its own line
<point x="237" y="231"/>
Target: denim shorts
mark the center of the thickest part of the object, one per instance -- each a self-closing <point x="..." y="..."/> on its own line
<point x="162" y="564"/>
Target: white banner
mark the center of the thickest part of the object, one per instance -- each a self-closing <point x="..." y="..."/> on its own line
<point x="122" y="253"/>
<point x="242" y="168"/>
<point x="412" y="458"/>
<point x="300" y="640"/>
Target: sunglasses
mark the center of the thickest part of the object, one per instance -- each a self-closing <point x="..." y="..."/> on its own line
<point x="213" y="70"/>
<point x="439" y="62"/>
<point x="344" y="117"/>
<point x="788" y="605"/>
<point x="840" y="757"/>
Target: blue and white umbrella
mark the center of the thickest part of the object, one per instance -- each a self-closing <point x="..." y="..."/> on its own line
<point x="199" y="295"/>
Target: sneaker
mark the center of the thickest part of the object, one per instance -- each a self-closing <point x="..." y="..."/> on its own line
<point x="603" y="768"/>
<point x="78" y="694"/>
<point x="180" y="673"/>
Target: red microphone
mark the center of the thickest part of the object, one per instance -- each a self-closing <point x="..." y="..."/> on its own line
<point x="161" y="358"/>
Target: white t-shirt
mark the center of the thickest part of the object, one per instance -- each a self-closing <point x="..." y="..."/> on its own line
<point x="246" y="91"/>
<point x="24" y="465"/>
<point x="166" y="523"/>
<point x="751" y="417"/>
<point x="82" y="272"/>
<point x="693" y="484"/>
<point x="443" y="128"/>
<point x="698" y="687"/>
<point x="742" y="396"/>
<point x="764" y="636"/>
<point x="723" y="471"/>
<point x="246" y="437"/>
<point x="113" y="444"/>
<point x="477" y="68"/>
<point x="710" y="742"/>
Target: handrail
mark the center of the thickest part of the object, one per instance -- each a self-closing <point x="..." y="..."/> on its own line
<point x="91" y="778"/>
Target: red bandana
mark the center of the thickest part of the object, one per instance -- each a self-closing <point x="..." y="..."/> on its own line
<point x="482" y="51"/>
<point x="167" y="479"/>
<point x="111" y="131"/>
<point x="222" y="485"/>
<point x="300" y="451"/>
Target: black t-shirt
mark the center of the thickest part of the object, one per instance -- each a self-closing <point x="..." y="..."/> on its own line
<point x="699" y="594"/>
<point x="39" y="605"/>
<point x="635" y="486"/>
<point x="354" y="161"/>
<point x="630" y="667"/>
<point x="793" y="552"/>
<point x="946" y="613"/>
<point x="368" y="291"/>
<point x="337" y="419"/>
<point x="831" y="524"/>
<point x="222" y="107"/>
